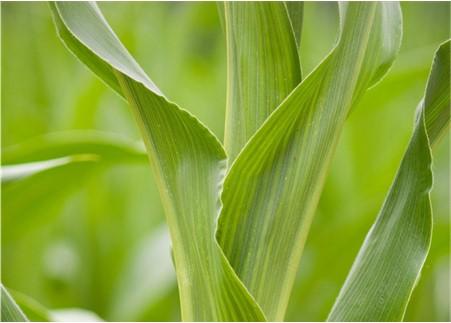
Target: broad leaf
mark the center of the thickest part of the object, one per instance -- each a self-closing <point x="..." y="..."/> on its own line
<point x="188" y="162"/>
<point x="263" y="66"/>
<point x="272" y="189"/>
<point x="388" y="265"/>
<point x="10" y="311"/>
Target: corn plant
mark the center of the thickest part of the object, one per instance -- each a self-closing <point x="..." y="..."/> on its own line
<point x="239" y="212"/>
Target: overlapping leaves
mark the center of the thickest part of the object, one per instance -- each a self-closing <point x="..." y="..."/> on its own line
<point x="280" y="143"/>
<point x="272" y="189"/>
<point x="187" y="159"/>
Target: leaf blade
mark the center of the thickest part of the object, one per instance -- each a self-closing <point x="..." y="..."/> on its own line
<point x="388" y="265"/>
<point x="278" y="176"/>
<point x="189" y="157"/>
<point x="263" y="66"/>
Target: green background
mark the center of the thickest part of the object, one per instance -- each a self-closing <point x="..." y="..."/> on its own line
<point x="99" y="241"/>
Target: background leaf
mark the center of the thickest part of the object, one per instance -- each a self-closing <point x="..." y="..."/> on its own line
<point x="45" y="170"/>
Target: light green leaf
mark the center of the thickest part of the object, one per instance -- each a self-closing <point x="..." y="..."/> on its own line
<point x="10" y="311"/>
<point x="263" y="66"/>
<point x="188" y="161"/>
<point x="388" y="265"/>
<point x="10" y="173"/>
<point x="273" y="187"/>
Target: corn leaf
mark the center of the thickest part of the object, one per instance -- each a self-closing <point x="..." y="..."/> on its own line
<point x="29" y="187"/>
<point x="263" y="66"/>
<point x="388" y="265"/>
<point x="10" y="311"/>
<point x="188" y="162"/>
<point x="272" y="189"/>
<point x="43" y="171"/>
<point x="109" y="148"/>
<point x="296" y="13"/>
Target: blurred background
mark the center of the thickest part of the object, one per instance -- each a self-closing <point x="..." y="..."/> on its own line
<point x="97" y="240"/>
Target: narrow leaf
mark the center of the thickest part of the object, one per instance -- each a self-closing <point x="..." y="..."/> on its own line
<point x="10" y="312"/>
<point x="388" y="265"/>
<point x="296" y="12"/>
<point x="109" y="148"/>
<point x="188" y="161"/>
<point x="272" y="189"/>
<point x="263" y="66"/>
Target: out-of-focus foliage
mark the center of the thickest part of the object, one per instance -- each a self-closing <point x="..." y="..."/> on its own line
<point x="105" y="243"/>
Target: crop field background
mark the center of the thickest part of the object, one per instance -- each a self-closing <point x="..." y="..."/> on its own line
<point x="98" y="240"/>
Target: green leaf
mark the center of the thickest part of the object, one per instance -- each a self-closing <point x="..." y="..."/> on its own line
<point x="388" y="265"/>
<point x="273" y="187"/>
<point x="110" y="148"/>
<point x="10" y="312"/>
<point x="34" y="311"/>
<point x="29" y="187"/>
<point x="12" y="173"/>
<point x="43" y="171"/>
<point x="296" y="12"/>
<point x="263" y="66"/>
<point x="188" y="162"/>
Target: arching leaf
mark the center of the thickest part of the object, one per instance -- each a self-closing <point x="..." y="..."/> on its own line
<point x="388" y="265"/>
<point x="188" y="162"/>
